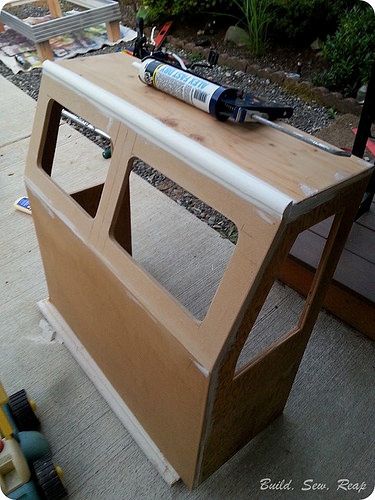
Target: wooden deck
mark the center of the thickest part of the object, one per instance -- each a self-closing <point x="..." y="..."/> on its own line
<point x="351" y="296"/>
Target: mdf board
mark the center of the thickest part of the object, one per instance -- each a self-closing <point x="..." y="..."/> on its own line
<point x="178" y="374"/>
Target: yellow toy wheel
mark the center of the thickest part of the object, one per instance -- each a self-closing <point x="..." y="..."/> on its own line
<point x="22" y="412"/>
<point x="49" y="480"/>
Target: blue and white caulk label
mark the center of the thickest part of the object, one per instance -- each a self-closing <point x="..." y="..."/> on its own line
<point x="184" y="86"/>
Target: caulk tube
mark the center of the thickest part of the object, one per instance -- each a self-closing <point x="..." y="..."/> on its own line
<point x="187" y="87"/>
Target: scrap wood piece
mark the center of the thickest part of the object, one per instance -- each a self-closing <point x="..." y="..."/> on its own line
<point x="64" y="334"/>
<point x="23" y="205"/>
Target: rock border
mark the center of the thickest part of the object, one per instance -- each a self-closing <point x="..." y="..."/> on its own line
<point x="302" y="88"/>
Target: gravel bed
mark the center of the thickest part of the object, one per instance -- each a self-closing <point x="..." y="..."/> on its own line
<point x="309" y="117"/>
<point x="225" y="227"/>
<point x="27" y="10"/>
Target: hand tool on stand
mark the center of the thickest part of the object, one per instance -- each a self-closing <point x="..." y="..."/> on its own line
<point x="222" y="102"/>
<point x="168" y="72"/>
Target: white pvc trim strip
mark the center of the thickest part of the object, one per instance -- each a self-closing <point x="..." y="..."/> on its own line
<point x="202" y="159"/>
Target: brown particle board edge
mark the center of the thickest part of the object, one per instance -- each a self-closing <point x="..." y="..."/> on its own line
<point x="65" y="334"/>
<point x="347" y="305"/>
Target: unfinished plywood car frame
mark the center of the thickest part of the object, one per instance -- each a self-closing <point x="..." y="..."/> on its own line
<point x="176" y="376"/>
<point x="97" y="11"/>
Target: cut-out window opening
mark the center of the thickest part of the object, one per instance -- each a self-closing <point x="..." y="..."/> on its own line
<point x="224" y="226"/>
<point x="279" y="315"/>
<point x="281" y="311"/>
<point x="146" y="223"/>
<point x="75" y="165"/>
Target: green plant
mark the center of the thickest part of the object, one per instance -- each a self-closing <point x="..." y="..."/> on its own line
<point x="153" y="10"/>
<point x="255" y="15"/>
<point x="300" y="22"/>
<point x="332" y="113"/>
<point x="350" y="51"/>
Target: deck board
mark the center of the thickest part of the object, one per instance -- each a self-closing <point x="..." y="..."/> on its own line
<point x="353" y="271"/>
<point x="361" y="240"/>
<point x="368" y="219"/>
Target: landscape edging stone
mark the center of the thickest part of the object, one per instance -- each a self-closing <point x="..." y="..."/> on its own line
<point x="304" y="89"/>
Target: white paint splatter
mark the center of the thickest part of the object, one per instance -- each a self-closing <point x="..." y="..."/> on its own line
<point x="340" y="176"/>
<point x="201" y="368"/>
<point x="307" y="190"/>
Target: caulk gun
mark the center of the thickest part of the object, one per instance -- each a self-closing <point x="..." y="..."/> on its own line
<point x="222" y="102"/>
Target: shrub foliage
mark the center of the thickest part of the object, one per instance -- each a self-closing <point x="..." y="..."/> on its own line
<point x="302" y="21"/>
<point x="347" y="26"/>
<point x="159" y="9"/>
<point x="350" y="52"/>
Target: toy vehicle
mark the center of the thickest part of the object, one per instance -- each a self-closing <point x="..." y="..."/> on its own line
<point x="26" y="469"/>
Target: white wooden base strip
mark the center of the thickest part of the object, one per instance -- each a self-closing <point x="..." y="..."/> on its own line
<point x="102" y="384"/>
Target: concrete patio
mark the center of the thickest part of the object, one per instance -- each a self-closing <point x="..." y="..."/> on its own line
<point x="327" y="431"/>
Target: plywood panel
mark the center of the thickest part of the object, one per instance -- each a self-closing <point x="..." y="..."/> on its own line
<point x="176" y="373"/>
<point x="298" y="169"/>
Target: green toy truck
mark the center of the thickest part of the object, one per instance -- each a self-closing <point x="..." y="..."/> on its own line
<point x="26" y="469"/>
